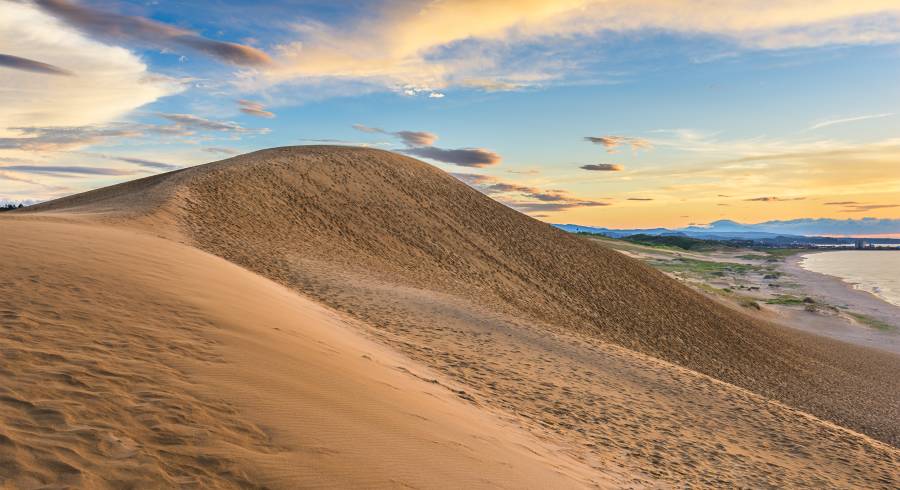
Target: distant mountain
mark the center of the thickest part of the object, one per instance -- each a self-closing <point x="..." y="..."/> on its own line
<point x="797" y="229"/>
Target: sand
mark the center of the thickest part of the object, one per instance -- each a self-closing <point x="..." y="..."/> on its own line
<point x="836" y="301"/>
<point x="611" y="372"/>
<point x="135" y="362"/>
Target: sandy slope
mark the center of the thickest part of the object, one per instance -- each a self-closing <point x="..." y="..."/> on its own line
<point x="134" y="362"/>
<point x="520" y="317"/>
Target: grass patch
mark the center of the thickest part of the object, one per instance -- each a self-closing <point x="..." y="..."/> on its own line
<point x="778" y="254"/>
<point x="704" y="268"/>
<point x="872" y="322"/>
<point x="786" y="300"/>
<point x="749" y="303"/>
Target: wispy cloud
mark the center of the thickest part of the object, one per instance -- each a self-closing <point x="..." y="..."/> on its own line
<point x="775" y="199"/>
<point x="25" y="64"/>
<point x="141" y="162"/>
<point x="191" y="121"/>
<point x="464" y="157"/>
<point x="437" y="44"/>
<point x="832" y="122"/>
<point x="64" y="138"/>
<point x="602" y="167"/>
<point x="109" y="81"/>
<point x="254" y="109"/>
<point x="409" y="138"/>
<point x="419" y="143"/>
<point x="526" y="198"/>
<point x="221" y="151"/>
<point x="112" y="25"/>
<point x="65" y="170"/>
<point x="862" y="208"/>
<point x="612" y="143"/>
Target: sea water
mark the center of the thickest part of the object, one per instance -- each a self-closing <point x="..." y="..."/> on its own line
<point x="875" y="271"/>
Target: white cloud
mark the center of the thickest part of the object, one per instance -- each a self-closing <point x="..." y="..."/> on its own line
<point x="107" y="82"/>
<point x="832" y="122"/>
<point x="408" y="45"/>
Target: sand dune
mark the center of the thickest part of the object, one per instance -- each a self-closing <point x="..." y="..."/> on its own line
<point x="631" y="377"/>
<point x="135" y="362"/>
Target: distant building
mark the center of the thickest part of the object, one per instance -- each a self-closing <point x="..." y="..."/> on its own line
<point x="860" y="244"/>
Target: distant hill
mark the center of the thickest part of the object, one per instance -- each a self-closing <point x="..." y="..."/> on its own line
<point x="725" y="230"/>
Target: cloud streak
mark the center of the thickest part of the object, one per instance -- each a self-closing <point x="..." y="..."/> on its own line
<point x="863" y="208"/>
<point x="419" y="143"/>
<point x="612" y="143"/>
<point x="527" y="199"/>
<point x="409" y="138"/>
<point x="464" y="157"/>
<point x="774" y="199"/>
<point x="832" y="122"/>
<point x="25" y="64"/>
<point x="602" y="167"/>
<point x="65" y="170"/>
<point x="191" y="121"/>
<point x="116" y="26"/>
<point x="254" y="109"/>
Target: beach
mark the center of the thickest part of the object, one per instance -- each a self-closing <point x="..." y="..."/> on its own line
<point x="775" y="287"/>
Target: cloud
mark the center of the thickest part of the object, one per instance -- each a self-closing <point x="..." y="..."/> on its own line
<point x="840" y="203"/>
<point x="419" y="144"/>
<point x="110" y="82"/>
<point x="464" y="157"/>
<point x="775" y="199"/>
<point x="474" y="179"/>
<point x="65" y="171"/>
<point x="58" y="138"/>
<point x="191" y="121"/>
<point x="484" y="43"/>
<point x="116" y="26"/>
<point x="612" y="143"/>
<point x="254" y="109"/>
<point x="221" y="151"/>
<point x="64" y="138"/>
<point x="862" y="208"/>
<point x="602" y="167"/>
<point x="552" y="207"/>
<point x="141" y="162"/>
<point x="640" y="199"/>
<point x="832" y="122"/>
<point x="541" y="201"/>
<point x="26" y="64"/>
<point x="409" y="138"/>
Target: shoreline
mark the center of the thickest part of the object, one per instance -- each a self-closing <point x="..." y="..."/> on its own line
<point x="798" y="258"/>
<point x="835" y="291"/>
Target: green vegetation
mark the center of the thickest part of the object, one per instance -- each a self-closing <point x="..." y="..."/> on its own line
<point x="778" y="254"/>
<point x="788" y="300"/>
<point x="704" y="268"/>
<point x="749" y="303"/>
<point x="681" y="242"/>
<point x="872" y="322"/>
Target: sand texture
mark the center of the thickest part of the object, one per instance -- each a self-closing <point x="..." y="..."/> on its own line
<point x="440" y="339"/>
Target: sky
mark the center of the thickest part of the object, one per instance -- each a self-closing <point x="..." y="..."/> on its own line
<point x="621" y="114"/>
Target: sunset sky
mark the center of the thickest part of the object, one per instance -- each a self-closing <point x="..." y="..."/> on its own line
<point x="605" y="113"/>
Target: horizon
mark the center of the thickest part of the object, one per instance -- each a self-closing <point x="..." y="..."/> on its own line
<point x="571" y="113"/>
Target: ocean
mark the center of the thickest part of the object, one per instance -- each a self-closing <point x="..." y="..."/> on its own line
<point x="875" y="271"/>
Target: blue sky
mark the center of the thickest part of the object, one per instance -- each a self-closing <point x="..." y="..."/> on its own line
<point x="743" y="110"/>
